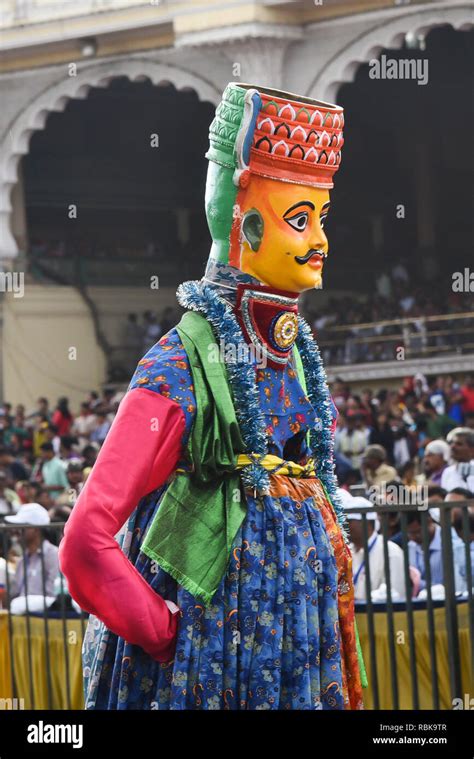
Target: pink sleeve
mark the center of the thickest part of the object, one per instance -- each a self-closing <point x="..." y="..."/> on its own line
<point x="139" y="454"/>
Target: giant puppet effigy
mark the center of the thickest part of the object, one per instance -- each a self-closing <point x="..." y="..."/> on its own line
<point x="230" y="584"/>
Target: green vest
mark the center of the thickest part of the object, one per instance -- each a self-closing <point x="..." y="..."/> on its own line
<point x="200" y="513"/>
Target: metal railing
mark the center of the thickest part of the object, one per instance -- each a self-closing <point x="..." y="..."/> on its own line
<point x="57" y="613"/>
<point x="412" y="607"/>
<point x="35" y="678"/>
<point x="419" y="337"/>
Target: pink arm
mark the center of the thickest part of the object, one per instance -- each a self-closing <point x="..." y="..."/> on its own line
<point x="139" y="454"/>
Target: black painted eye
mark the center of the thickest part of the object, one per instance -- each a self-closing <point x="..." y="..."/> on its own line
<point x="299" y="221"/>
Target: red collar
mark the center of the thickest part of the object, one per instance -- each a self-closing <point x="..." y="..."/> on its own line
<point x="269" y="320"/>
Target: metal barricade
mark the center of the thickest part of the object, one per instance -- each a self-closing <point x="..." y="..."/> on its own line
<point x="26" y="631"/>
<point x="458" y="595"/>
<point x="419" y="337"/>
<point x="35" y="596"/>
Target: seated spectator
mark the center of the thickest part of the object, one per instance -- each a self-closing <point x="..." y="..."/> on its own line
<point x="467" y="395"/>
<point x="44" y="499"/>
<point x="394" y="494"/>
<point x="407" y="475"/>
<point x="352" y="440"/>
<point x="15" y="435"/>
<point x="375" y="552"/>
<point x="375" y="470"/>
<point x="437" y="424"/>
<point x="13" y="467"/>
<point x="461" y="473"/>
<point x="401" y="444"/>
<point x="7" y="572"/>
<point x="41" y="411"/>
<point x="9" y="500"/>
<point x="382" y="434"/>
<point x="342" y="466"/>
<point x="106" y="402"/>
<point x="435" y="461"/>
<point x="28" y="490"/>
<point x="51" y="469"/>
<point x="89" y="455"/>
<point x="67" y="449"/>
<point x="93" y="400"/>
<point x="102" y="426"/>
<point x="40" y="434"/>
<point x="415" y="548"/>
<point x="32" y="516"/>
<point x="349" y="478"/>
<point x="51" y="436"/>
<point x="394" y="528"/>
<point x="70" y="495"/>
<point x="83" y="425"/>
<point x="152" y="329"/>
<point x="62" y="417"/>
<point x="436" y="494"/>
<point x="459" y="494"/>
<point x="461" y="556"/>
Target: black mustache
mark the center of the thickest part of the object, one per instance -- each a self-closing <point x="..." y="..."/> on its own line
<point x="312" y="252"/>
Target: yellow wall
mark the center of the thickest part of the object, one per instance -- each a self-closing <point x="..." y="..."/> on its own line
<point x="40" y="328"/>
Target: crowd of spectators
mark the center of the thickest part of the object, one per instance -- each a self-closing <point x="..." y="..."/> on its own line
<point x="46" y="455"/>
<point x="395" y="296"/>
<point x="413" y="445"/>
<point x="419" y="434"/>
<point x="141" y="334"/>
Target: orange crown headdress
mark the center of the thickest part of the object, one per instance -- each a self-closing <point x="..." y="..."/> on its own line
<point x="278" y="135"/>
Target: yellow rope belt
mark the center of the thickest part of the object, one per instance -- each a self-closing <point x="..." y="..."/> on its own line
<point x="276" y="465"/>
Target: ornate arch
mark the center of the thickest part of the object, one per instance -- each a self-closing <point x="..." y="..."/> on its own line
<point x="386" y="33"/>
<point x="16" y="140"/>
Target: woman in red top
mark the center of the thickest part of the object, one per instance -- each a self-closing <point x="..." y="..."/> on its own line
<point x="62" y="417"/>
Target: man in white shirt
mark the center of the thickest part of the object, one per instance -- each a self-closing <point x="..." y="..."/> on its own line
<point x="353" y="439"/>
<point x="83" y="425"/>
<point x="461" y="473"/>
<point x="376" y="554"/>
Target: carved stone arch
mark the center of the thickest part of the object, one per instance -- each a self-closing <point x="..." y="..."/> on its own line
<point x="33" y="117"/>
<point x="385" y="33"/>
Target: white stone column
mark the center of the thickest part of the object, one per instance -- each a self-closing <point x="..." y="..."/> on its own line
<point x="18" y="222"/>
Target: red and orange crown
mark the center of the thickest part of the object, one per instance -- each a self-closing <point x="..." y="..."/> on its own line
<point x="278" y="135"/>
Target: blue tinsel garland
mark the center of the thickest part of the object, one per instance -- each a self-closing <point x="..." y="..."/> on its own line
<point x="203" y="298"/>
<point x="318" y="393"/>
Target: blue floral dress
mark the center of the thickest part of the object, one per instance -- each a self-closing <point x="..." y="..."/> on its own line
<point x="271" y="637"/>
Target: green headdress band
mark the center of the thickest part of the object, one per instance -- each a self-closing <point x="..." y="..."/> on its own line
<point x="231" y="132"/>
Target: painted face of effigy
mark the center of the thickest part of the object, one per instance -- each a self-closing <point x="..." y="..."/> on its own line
<point x="283" y="243"/>
<point x="273" y="156"/>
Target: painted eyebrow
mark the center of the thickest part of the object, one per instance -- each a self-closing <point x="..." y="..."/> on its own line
<point x="298" y="205"/>
<point x="325" y="207"/>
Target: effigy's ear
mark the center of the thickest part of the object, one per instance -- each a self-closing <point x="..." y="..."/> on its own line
<point x="252" y="228"/>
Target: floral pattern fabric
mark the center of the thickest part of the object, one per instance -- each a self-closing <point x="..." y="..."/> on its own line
<point x="276" y="634"/>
